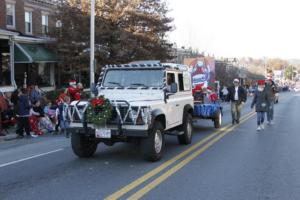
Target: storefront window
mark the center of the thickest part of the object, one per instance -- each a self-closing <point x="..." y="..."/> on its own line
<point x="44" y="74"/>
<point x="4" y="70"/>
<point x="37" y="74"/>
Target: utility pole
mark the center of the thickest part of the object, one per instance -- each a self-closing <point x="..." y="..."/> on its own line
<point x="92" y="48"/>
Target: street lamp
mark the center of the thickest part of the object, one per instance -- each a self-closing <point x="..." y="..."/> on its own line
<point x="92" y="52"/>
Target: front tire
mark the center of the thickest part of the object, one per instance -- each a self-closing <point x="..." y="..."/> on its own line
<point x="82" y="146"/>
<point x="153" y="146"/>
<point x="187" y="128"/>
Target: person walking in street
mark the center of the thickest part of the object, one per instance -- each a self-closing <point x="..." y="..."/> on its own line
<point x="271" y="92"/>
<point x="238" y="97"/>
<point x="260" y="101"/>
<point x="23" y="113"/>
<point x="224" y="93"/>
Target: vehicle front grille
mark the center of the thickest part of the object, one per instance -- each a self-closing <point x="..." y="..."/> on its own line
<point x="123" y="112"/>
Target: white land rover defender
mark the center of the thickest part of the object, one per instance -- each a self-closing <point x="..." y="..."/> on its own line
<point x="148" y="101"/>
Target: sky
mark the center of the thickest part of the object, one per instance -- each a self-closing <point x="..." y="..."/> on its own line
<point x="237" y="28"/>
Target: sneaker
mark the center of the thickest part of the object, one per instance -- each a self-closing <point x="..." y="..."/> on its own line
<point x="271" y="123"/>
<point x="262" y="126"/>
<point x="34" y="136"/>
<point x="238" y="121"/>
<point x="258" y="128"/>
<point x="232" y="122"/>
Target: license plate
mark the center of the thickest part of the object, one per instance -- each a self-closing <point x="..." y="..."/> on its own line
<point x="103" y="133"/>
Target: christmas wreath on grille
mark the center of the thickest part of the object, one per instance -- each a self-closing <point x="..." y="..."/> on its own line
<point x="99" y="110"/>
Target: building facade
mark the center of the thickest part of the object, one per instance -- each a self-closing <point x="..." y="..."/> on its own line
<point x="24" y="56"/>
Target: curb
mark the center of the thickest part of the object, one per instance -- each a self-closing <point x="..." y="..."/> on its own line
<point x="8" y="137"/>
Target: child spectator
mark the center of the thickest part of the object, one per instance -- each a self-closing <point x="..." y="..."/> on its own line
<point x="61" y="115"/>
<point x="36" y="113"/>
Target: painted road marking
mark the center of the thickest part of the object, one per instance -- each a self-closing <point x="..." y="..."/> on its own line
<point x="180" y="165"/>
<point x="166" y="164"/>
<point x="28" y="158"/>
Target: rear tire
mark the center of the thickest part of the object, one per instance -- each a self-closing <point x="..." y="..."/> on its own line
<point x="218" y="119"/>
<point x="187" y="128"/>
<point x="82" y="146"/>
<point x="153" y="146"/>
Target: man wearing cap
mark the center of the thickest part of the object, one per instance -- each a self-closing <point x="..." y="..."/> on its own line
<point x="238" y="96"/>
<point x="271" y="90"/>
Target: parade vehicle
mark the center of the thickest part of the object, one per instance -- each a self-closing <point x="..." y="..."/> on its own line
<point x="207" y="109"/>
<point x="137" y="102"/>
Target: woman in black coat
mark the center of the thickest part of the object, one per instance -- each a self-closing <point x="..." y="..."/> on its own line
<point x="260" y="100"/>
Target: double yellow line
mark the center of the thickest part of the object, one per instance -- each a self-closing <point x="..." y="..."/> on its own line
<point x="208" y="141"/>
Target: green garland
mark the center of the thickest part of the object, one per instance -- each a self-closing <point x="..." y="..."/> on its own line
<point x="99" y="111"/>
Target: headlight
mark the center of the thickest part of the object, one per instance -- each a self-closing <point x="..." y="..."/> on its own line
<point x="146" y="115"/>
<point x="140" y="115"/>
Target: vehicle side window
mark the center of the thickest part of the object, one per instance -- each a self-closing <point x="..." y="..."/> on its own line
<point x="186" y="82"/>
<point x="180" y="82"/>
<point x="171" y="84"/>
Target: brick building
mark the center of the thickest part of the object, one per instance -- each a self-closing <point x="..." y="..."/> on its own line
<point x="24" y="57"/>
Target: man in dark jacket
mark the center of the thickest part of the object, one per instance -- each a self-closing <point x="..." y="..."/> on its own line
<point x="238" y="96"/>
<point x="271" y="90"/>
<point x="23" y="113"/>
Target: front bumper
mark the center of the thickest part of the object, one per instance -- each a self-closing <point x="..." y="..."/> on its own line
<point x="125" y="130"/>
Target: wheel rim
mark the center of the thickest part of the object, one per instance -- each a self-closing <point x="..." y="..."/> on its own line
<point x="220" y="119"/>
<point x="158" y="141"/>
<point x="189" y="129"/>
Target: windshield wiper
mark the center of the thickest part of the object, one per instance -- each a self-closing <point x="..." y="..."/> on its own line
<point x="116" y="83"/>
<point x="139" y="84"/>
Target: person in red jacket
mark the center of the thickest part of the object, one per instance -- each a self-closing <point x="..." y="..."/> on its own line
<point x="212" y="96"/>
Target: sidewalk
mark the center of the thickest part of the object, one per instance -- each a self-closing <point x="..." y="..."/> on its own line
<point x="9" y="136"/>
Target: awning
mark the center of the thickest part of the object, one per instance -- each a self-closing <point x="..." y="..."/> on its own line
<point x="33" y="53"/>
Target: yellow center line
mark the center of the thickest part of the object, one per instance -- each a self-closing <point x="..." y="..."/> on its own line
<point x="166" y="164"/>
<point x="177" y="167"/>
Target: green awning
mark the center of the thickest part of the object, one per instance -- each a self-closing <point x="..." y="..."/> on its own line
<point x="33" y="53"/>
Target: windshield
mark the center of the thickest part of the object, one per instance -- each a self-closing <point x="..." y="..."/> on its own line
<point x="134" y="78"/>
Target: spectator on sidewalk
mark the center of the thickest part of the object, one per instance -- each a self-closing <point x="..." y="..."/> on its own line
<point x="35" y="94"/>
<point x="36" y="113"/>
<point x="3" y="108"/>
<point x="260" y="100"/>
<point x="238" y="96"/>
<point x="23" y="113"/>
<point x="271" y="92"/>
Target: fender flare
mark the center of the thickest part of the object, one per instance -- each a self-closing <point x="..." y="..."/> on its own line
<point x="158" y="113"/>
<point x="188" y="109"/>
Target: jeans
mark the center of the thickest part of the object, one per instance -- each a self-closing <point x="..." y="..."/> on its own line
<point x="260" y="118"/>
<point x="64" y="125"/>
<point x="270" y="111"/>
<point x="236" y="108"/>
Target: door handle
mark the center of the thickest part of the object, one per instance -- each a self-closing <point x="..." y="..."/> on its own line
<point x="177" y="105"/>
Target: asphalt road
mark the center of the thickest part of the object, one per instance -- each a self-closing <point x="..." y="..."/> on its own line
<point x="234" y="162"/>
